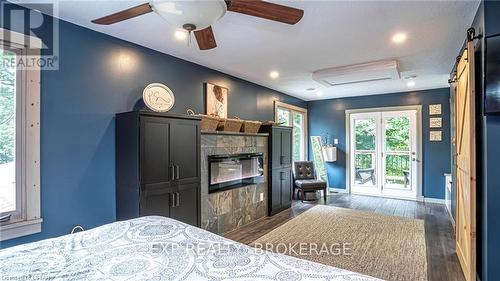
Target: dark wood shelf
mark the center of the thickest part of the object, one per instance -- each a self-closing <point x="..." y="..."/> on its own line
<point x="163" y="114"/>
<point x="224" y="133"/>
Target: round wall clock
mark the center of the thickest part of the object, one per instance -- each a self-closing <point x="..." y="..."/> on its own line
<point x="158" y="97"/>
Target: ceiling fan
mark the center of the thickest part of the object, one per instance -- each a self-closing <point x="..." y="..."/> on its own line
<point x="198" y="16"/>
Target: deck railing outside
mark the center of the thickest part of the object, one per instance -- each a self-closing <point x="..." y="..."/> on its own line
<point x="397" y="166"/>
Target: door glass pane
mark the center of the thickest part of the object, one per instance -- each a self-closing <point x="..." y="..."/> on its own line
<point x="397" y="152"/>
<point x="298" y="136"/>
<point x="7" y="132"/>
<point x="284" y="117"/>
<point x="365" y="151"/>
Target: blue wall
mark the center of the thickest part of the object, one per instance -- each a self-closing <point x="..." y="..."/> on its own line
<point x="79" y="102"/>
<point x="490" y="222"/>
<point x="328" y="116"/>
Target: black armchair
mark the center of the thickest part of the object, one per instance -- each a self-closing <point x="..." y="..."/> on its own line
<point x="305" y="179"/>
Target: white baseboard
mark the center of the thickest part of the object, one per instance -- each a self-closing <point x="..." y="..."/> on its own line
<point x="452" y="222"/>
<point x="337" y="190"/>
<point x="434" y="200"/>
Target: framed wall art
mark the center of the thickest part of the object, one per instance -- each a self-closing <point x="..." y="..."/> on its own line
<point x="216" y="100"/>
<point x="435" y="109"/>
<point x="435" y="122"/>
<point x="436" y="136"/>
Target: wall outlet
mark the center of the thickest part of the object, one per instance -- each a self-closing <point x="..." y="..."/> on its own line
<point x="261" y="197"/>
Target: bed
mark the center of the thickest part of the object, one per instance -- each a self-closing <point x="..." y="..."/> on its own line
<point x="155" y="248"/>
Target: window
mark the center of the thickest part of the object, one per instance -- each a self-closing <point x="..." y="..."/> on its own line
<point x="19" y="136"/>
<point x="9" y="196"/>
<point x="295" y="117"/>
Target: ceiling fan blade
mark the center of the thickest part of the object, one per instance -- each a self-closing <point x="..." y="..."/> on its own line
<point x="266" y="10"/>
<point x="125" y="14"/>
<point x="205" y="38"/>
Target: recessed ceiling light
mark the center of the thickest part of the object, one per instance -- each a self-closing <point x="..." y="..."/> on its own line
<point x="180" y="35"/>
<point x="399" y="38"/>
<point x="411" y="84"/>
<point x="274" y="74"/>
<point x="319" y="93"/>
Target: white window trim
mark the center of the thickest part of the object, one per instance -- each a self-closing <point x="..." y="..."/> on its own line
<point x="278" y="104"/>
<point x="29" y="175"/>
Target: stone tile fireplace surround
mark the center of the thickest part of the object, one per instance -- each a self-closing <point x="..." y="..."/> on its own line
<point x="225" y="211"/>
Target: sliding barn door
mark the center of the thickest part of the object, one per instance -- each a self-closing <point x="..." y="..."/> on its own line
<point x="466" y="164"/>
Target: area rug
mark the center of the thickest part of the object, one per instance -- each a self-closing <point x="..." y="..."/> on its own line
<point x="382" y="246"/>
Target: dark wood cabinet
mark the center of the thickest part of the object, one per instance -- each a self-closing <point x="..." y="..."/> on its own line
<point x="280" y="168"/>
<point x="275" y="146"/>
<point x="154" y="202"/>
<point x="154" y="151"/>
<point x="186" y="197"/>
<point x="286" y="187"/>
<point x="286" y="147"/>
<point x="185" y="150"/>
<point x="158" y="166"/>
<point x="274" y="190"/>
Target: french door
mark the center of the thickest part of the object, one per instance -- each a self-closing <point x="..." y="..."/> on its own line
<point x="384" y="153"/>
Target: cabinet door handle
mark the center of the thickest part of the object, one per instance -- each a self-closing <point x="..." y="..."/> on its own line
<point x="172" y="172"/>
<point x="177" y="173"/>
<point x="171" y="199"/>
<point x="178" y="199"/>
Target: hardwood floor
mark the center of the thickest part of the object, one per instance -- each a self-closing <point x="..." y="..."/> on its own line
<point x="442" y="262"/>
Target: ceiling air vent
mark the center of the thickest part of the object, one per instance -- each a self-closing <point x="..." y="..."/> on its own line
<point x="357" y="73"/>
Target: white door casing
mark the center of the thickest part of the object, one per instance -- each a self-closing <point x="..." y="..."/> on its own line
<point x="381" y="187"/>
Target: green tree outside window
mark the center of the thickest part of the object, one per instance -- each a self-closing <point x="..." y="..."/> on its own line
<point x="7" y="107"/>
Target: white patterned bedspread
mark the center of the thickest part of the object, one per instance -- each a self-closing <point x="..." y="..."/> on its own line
<point x="155" y="248"/>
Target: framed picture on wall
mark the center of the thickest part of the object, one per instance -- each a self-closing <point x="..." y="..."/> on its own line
<point x="435" y="122"/>
<point x="435" y="135"/>
<point x="216" y="100"/>
<point x="435" y="109"/>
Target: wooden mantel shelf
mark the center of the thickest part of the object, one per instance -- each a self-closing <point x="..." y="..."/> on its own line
<point x="224" y="133"/>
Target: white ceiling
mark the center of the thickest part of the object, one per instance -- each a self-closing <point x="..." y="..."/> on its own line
<point x="331" y="33"/>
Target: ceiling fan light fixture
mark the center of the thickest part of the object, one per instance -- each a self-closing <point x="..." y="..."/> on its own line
<point x="200" y="14"/>
<point x="197" y="16"/>
<point x="181" y="35"/>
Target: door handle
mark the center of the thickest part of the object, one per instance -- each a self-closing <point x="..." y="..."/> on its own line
<point x="172" y="172"/>
<point x="177" y="199"/>
<point x="177" y="173"/>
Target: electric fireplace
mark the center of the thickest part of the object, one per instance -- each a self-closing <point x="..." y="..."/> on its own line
<point x="235" y="170"/>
